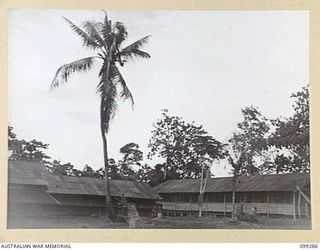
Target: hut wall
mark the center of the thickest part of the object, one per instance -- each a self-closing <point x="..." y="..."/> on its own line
<point x="266" y="202"/>
<point x="44" y="210"/>
<point x="28" y="200"/>
<point x="81" y="200"/>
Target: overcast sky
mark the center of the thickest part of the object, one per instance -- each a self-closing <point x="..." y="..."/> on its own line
<point x="204" y="67"/>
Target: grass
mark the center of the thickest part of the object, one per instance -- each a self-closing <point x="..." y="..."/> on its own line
<point x="227" y="223"/>
<point x="185" y="222"/>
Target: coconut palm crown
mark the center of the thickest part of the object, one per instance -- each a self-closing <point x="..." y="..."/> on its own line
<point x="106" y="39"/>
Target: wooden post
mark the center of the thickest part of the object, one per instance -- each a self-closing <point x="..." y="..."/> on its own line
<point x="299" y="205"/>
<point x="268" y="204"/>
<point x="245" y="202"/>
<point x="190" y="204"/>
<point x="304" y="195"/>
<point x="224" y="203"/>
<point x="294" y="204"/>
<point x="175" y="204"/>
<point x="307" y="209"/>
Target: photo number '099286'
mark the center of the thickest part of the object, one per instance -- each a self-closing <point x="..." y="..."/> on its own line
<point x="309" y="246"/>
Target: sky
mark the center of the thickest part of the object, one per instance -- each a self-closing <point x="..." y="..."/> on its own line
<point x="204" y="67"/>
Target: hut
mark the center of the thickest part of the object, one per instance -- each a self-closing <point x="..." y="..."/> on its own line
<point x="33" y="190"/>
<point x="278" y="194"/>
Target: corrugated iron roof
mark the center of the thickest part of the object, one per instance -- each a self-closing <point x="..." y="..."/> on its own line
<point x="32" y="196"/>
<point x="33" y="173"/>
<point x="255" y="183"/>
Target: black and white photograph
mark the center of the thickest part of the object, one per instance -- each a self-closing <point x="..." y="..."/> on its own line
<point x="166" y="119"/>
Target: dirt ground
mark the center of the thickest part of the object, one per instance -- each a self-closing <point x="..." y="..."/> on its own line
<point x="156" y="223"/>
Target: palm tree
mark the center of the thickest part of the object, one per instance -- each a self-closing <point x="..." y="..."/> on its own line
<point x="107" y="40"/>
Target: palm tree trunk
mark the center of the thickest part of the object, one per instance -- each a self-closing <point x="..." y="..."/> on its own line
<point x="110" y="211"/>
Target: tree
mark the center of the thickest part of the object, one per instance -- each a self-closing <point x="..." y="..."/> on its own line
<point x="33" y="151"/>
<point x="152" y="175"/>
<point x="166" y="143"/>
<point x="26" y="150"/>
<point x="132" y="157"/>
<point x="12" y="139"/>
<point x="88" y="171"/>
<point x="114" y="170"/>
<point x="246" y="146"/>
<point x="291" y="138"/>
<point x="249" y="142"/>
<point x="184" y="146"/>
<point x="108" y="40"/>
<point x="206" y="151"/>
<point x="57" y="168"/>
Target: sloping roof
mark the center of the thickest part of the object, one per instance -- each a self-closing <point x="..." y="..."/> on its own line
<point x="27" y="172"/>
<point x="31" y="196"/>
<point x="95" y="186"/>
<point x="255" y="183"/>
<point x="33" y="173"/>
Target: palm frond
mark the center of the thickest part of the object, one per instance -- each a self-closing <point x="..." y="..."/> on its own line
<point x="63" y="73"/>
<point x="140" y="53"/>
<point x="117" y="78"/>
<point x="88" y="41"/>
<point x="106" y="30"/>
<point x="120" y="32"/>
<point x="103" y="69"/>
<point x="134" y="49"/>
<point x="93" y="29"/>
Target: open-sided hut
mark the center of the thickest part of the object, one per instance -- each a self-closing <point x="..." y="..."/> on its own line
<point x="33" y="190"/>
<point x="279" y="194"/>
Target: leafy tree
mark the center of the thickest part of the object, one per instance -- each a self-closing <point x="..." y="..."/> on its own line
<point x="88" y="171"/>
<point x="203" y="150"/>
<point x="12" y="139"/>
<point x="113" y="171"/>
<point x="132" y="157"/>
<point x="246" y="146"/>
<point x="152" y="175"/>
<point x="184" y="146"/>
<point x="291" y="138"/>
<point x="107" y="40"/>
<point x="33" y="151"/>
<point x="26" y="150"/>
<point x="14" y="145"/>
<point x="56" y="167"/>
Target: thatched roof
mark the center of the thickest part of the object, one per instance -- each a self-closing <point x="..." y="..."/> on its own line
<point x="33" y="173"/>
<point x="256" y="183"/>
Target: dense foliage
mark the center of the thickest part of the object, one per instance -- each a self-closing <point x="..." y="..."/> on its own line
<point x="248" y="142"/>
<point x="281" y="145"/>
<point x="26" y="150"/>
<point x="291" y="138"/>
<point x="184" y="146"/>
